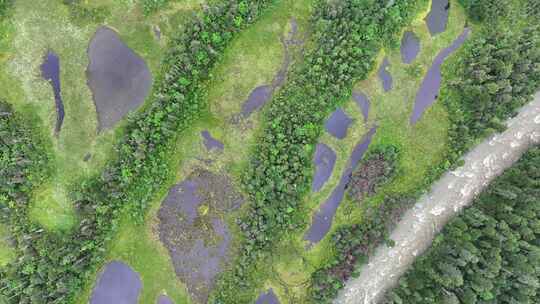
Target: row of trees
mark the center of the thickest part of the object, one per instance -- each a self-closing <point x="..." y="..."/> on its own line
<point x="488" y="254"/>
<point x="347" y="36"/>
<point x="50" y="267"/>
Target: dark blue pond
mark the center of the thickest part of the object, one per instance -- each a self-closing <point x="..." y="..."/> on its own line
<point x="324" y="161"/>
<point x="118" y="284"/>
<point x="322" y="219"/>
<point x="437" y="19"/>
<point x="267" y="298"/>
<point x="410" y="47"/>
<point x="50" y="71"/>
<point x="118" y="77"/>
<point x="429" y="90"/>
<point x="385" y="76"/>
<point x="338" y="123"/>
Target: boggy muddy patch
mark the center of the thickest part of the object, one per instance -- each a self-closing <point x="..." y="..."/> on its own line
<point x="322" y="219"/>
<point x="268" y="297"/>
<point x="50" y="71"/>
<point x="118" y="78"/>
<point x="338" y="123"/>
<point x="372" y="171"/>
<point x="210" y="142"/>
<point x="437" y="19"/>
<point x="410" y="47"/>
<point x="192" y="228"/>
<point x="385" y="76"/>
<point x="324" y="161"/>
<point x="117" y="284"/>
<point x="262" y="94"/>
<point x="362" y="101"/>
<point x="429" y="89"/>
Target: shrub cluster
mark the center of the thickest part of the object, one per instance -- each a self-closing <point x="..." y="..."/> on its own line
<point x="4" y="4"/>
<point x="51" y="267"/>
<point x="347" y="36"/>
<point x="488" y="254"/>
<point x="377" y="168"/>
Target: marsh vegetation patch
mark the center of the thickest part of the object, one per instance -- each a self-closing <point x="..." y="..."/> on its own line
<point x="118" y="284"/>
<point x="118" y="78"/>
<point x="322" y="219"/>
<point x="262" y="94"/>
<point x="192" y="228"/>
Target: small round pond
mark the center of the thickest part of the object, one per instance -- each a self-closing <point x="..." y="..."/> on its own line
<point x="117" y="284"/>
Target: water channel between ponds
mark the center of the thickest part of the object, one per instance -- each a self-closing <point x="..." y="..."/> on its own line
<point x="50" y="71"/>
<point x="118" y="78"/>
<point x="322" y="219"/>
<point x="210" y="142"/>
<point x="117" y="284"/>
<point x="429" y="89"/>
<point x="437" y="19"/>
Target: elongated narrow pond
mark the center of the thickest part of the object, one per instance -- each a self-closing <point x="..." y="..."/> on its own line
<point x="50" y="71"/>
<point x="429" y="89"/>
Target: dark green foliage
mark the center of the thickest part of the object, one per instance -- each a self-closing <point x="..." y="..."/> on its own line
<point x="22" y="161"/>
<point x="490" y="253"/>
<point x="347" y="36"/>
<point x="150" y="6"/>
<point x="50" y="267"/>
<point x="487" y="10"/>
<point x="4" y="4"/>
<point x="498" y="72"/>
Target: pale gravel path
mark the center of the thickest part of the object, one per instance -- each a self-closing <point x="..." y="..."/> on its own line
<point x="455" y="190"/>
